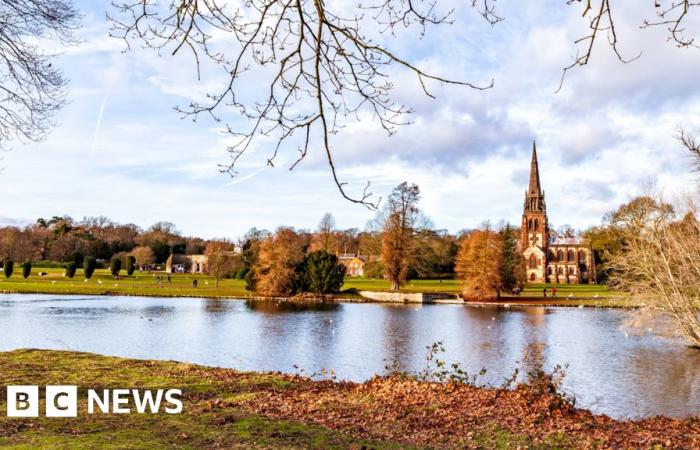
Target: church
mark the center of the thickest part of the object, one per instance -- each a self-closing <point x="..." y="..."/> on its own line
<point x="550" y="258"/>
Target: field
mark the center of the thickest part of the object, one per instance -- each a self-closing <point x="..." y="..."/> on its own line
<point x="223" y="408"/>
<point x="180" y="285"/>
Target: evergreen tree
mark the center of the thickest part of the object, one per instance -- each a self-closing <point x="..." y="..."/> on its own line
<point x="115" y="266"/>
<point x="26" y="269"/>
<point x="89" y="266"/>
<point x="71" y="268"/>
<point x="130" y="265"/>
<point x="322" y="273"/>
<point x="8" y="268"/>
<point x="513" y="268"/>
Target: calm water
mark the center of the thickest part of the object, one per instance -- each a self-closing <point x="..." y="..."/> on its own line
<point x="609" y="372"/>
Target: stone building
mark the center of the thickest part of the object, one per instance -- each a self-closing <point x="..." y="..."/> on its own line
<point x="354" y="264"/>
<point x="551" y="259"/>
<point x="187" y="264"/>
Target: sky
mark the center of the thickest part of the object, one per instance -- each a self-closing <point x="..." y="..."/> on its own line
<point x="120" y="150"/>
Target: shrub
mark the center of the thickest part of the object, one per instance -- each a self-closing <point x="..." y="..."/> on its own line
<point x="322" y="273"/>
<point x="89" y="265"/>
<point x="115" y="265"/>
<point x="71" y="268"/>
<point x="241" y="273"/>
<point x="26" y="269"/>
<point x="8" y="267"/>
<point x="130" y="265"/>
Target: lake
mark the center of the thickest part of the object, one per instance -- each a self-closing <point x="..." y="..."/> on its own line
<point x="609" y="370"/>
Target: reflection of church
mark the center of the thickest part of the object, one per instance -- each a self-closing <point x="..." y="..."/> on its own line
<point x="550" y="259"/>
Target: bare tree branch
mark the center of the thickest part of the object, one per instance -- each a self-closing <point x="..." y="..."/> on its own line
<point x="673" y="15"/>
<point x="31" y="88"/>
<point x="323" y="67"/>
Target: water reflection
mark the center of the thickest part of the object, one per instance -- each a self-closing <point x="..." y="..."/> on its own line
<point x="609" y="371"/>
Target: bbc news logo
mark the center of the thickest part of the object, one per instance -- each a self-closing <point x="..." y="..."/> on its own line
<point x="62" y="401"/>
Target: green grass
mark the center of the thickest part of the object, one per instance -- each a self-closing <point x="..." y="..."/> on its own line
<point x="146" y="284"/>
<point x="210" y="418"/>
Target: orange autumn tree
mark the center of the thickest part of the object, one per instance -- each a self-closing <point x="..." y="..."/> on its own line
<point x="276" y="271"/>
<point x="478" y="264"/>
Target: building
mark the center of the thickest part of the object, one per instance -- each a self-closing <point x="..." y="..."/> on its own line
<point x="187" y="264"/>
<point x="548" y="258"/>
<point x="354" y="264"/>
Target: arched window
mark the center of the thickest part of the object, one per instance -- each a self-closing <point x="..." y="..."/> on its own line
<point x="529" y="224"/>
<point x="533" y="262"/>
<point x="560" y="255"/>
<point x="582" y="257"/>
<point x="537" y="224"/>
<point x="561" y="271"/>
<point x="552" y="255"/>
<point x="570" y="255"/>
<point x="532" y="277"/>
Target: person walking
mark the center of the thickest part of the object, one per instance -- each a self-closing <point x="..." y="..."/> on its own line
<point x="544" y="292"/>
<point x="554" y="291"/>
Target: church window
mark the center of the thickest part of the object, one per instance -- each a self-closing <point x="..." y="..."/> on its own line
<point x="537" y="224"/>
<point x="533" y="262"/>
<point x="532" y="277"/>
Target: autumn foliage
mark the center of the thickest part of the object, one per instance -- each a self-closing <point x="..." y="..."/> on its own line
<point x="479" y="264"/>
<point x="277" y="270"/>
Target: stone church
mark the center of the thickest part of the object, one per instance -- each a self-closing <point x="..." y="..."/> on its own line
<point x="550" y="258"/>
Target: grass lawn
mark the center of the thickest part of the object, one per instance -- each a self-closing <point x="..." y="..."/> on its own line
<point x="146" y="284"/>
<point x="223" y="408"/>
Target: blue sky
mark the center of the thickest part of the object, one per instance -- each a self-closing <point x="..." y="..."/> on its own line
<point x="120" y="150"/>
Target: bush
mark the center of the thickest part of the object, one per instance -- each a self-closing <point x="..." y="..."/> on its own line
<point x="322" y="273"/>
<point x="26" y="269"/>
<point x="89" y="265"/>
<point x="115" y="265"/>
<point x="8" y="267"/>
<point x="130" y="265"/>
<point x="250" y="281"/>
<point x="71" y="268"/>
<point x="241" y="273"/>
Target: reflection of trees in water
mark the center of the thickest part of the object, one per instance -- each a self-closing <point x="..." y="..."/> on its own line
<point x="397" y="328"/>
<point x="217" y="305"/>
<point x="663" y="382"/>
<point x="157" y="311"/>
<point x="283" y="307"/>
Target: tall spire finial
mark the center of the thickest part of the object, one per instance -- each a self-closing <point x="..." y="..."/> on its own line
<point x="534" y="188"/>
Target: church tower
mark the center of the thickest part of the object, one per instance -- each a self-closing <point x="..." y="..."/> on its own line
<point x="534" y="228"/>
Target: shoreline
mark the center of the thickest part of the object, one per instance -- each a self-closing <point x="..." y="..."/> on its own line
<point x="506" y="302"/>
<point x="232" y="409"/>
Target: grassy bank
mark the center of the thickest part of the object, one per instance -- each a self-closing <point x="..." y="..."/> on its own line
<point x="228" y="409"/>
<point x="180" y="285"/>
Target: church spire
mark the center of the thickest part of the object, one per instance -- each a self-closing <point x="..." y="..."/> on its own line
<point x="534" y="188"/>
<point x="534" y="196"/>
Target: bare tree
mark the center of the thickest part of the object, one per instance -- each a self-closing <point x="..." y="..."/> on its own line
<point x="32" y="89"/>
<point x="659" y="262"/>
<point x="326" y="68"/>
<point x="324" y="235"/>
<point x="221" y="259"/>
<point x="398" y="232"/>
